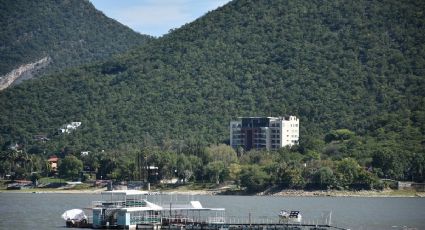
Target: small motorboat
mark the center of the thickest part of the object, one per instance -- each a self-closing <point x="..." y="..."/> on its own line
<point x="290" y="217"/>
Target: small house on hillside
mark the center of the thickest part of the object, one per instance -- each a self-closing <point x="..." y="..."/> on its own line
<point x="85" y="153"/>
<point x="67" y="128"/>
<point x="53" y="163"/>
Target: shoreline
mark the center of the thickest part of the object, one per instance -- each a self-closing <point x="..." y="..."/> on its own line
<point x="363" y="193"/>
<point x="284" y="193"/>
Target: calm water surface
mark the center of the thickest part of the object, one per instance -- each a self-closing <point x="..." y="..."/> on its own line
<point x="42" y="210"/>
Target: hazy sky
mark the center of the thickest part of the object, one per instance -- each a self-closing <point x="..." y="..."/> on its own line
<point x="156" y="17"/>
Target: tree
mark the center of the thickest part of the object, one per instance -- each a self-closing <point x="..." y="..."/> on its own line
<point x="292" y="178"/>
<point x="214" y="170"/>
<point x="324" y="177"/>
<point x="339" y="135"/>
<point x="365" y="180"/>
<point x="166" y="162"/>
<point x="224" y="153"/>
<point x="92" y="161"/>
<point x="347" y="170"/>
<point x="35" y="177"/>
<point x="234" y="171"/>
<point x="391" y="164"/>
<point x="184" y="168"/>
<point x="70" y="167"/>
<point x="4" y="168"/>
<point x="108" y="164"/>
<point x="253" y="178"/>
<point x="418" y="167"/>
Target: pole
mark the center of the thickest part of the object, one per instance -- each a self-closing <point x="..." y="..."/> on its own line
<point x="169" y="219"/>
<point x="330" y="217"/>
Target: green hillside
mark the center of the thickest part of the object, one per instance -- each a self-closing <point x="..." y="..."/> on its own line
<point x="335" y="64"/>
<point x="69" y="32"/>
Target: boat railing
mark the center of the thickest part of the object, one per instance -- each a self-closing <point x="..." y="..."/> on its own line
<point x="108" y="204"/>
<point x="216" y="220"/>
<point x="118" y="204"/>
<point x="135" y="203"/>
<point x="179" y="220"/>
<point x="144" y="219"/>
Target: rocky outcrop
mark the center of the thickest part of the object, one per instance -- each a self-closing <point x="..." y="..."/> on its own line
<point x="24" y="72"/>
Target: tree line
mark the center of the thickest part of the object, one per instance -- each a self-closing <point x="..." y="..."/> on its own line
<point x="335" y="161"/>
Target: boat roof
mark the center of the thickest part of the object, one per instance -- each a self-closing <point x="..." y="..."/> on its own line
<point x="149" y="207"/>
<point x="125" y="192"/>
<point x="193" y="205"/>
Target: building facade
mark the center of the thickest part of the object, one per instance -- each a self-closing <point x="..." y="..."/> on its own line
<point x="269" y="133"/>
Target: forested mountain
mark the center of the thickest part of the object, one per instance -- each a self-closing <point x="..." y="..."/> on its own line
<point x="70" y="33"/>
<point x="356" y="65"/>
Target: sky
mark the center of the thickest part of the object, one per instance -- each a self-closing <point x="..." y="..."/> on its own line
<point x="156" y="17"/>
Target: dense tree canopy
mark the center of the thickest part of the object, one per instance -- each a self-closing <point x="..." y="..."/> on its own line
<point x="70" y="167"/>
<point x="71" y="33"/>
<point x="351" y="71"/>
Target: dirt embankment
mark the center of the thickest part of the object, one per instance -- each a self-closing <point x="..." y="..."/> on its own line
<point x="23" y="72"/>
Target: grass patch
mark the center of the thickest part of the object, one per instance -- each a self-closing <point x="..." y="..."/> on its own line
<point x="3" y="184"/>
<point x="403" y="192"/>
<point x="47" y="180"/>
<point x="82" y="187"/>
<point x="186" y="187"/>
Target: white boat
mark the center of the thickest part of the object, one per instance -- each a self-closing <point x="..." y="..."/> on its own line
<point x="290" y="217"/>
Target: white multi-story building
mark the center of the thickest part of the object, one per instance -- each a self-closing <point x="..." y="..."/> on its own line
<point x="264" y="132"/>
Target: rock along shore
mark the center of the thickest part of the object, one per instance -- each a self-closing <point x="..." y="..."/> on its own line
<point x="284" y="193"/>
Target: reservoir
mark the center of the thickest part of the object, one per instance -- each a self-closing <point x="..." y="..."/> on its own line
<point x="42" y="210"/>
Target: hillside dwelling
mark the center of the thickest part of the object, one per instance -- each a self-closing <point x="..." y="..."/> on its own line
<point x="53" y="163"/>
<point x="85" y="153"/>
<point x="68" y="128"/>
<point x="269" y="133"/>
<point x="15" y="147"/>
<point x="41" y="138"/>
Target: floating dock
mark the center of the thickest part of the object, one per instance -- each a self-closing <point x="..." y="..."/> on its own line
<point x="224" y="226"/>
<point x="254" y="226"/>
<point x="130" y="209"/>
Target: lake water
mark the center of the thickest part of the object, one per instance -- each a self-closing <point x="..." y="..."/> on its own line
<point x="43" y="210"/>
